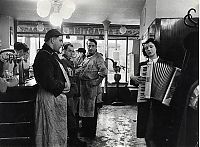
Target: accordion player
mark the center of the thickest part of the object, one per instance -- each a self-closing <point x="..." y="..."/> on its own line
<point x="159" y="82"/>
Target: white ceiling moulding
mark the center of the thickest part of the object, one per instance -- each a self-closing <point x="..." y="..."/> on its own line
<point x="57" y="10"/>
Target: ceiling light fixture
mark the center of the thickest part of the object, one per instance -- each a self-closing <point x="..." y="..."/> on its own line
<point x="43" y="8"/>
<point x="68" y="7"/>
<point x="55" y="19"/>
<point x="56" y="9"/>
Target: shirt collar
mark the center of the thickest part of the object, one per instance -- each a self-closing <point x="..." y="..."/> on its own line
<point x="91" y="55"/>
<point x="154" y="60"/>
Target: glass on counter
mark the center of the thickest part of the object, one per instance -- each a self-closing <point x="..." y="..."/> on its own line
<point x="31" y="74"/>
<point x="11" y="80"/>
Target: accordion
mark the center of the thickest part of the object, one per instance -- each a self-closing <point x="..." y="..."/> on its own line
<point x="159" y="82"/>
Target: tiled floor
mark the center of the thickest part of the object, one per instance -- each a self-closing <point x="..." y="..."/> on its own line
<point x="116" y="128"/>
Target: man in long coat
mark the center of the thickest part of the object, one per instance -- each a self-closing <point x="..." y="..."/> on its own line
<point x="91" y="74"/>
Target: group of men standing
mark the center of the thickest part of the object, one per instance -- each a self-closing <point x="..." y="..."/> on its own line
<point x="66" y="90"/>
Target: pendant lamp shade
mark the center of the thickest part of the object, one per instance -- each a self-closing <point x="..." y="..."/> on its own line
<point x="55" y="19"/>
<point x="56" y="9"/>
<point x="43" y="8"/>
<point x="67" y="9"/>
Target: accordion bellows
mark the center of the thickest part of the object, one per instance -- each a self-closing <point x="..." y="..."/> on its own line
<point x="160" y="82"/>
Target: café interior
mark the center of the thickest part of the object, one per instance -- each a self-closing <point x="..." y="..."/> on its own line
<point x="120" y="27"/>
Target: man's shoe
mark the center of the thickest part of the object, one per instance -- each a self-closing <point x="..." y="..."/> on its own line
<point x="92" y="136"/>
<point x="88" y="135"/>
<point x="76" y="143"/>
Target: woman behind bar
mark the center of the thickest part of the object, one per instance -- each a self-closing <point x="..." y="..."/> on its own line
<point x="22" y="51"/>
<point x="51" y="101"/>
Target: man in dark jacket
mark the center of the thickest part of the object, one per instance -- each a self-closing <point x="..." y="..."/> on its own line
<point x="51" y="101"/>
<point x="72" y="96"/>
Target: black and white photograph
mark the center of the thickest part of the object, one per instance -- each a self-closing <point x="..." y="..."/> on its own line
<point x="99" y="73"/>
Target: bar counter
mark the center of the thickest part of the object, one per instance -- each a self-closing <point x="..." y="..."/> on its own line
<point x="17" y="106"/>
<point x="20" y="92"/>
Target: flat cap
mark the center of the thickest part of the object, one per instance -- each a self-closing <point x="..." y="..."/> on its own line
<point x="21" y="46"/>
<point x="52" y="33"/>
<point x="82" y="50"/>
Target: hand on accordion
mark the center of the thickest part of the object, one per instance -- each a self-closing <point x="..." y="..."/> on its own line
<point x="138" y="79"/>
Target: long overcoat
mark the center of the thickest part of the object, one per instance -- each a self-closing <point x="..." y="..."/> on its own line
<point x="93" y="67"/>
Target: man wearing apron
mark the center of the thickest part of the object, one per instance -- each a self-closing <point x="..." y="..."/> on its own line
<point x="51" y="101"/>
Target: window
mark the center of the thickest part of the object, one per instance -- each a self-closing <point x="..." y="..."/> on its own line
<point x="123" y="50"/>
<point x="117" y="52"/>
<point x="77" y="41"/>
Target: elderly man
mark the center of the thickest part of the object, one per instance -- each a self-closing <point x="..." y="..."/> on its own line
<point x="51" y="101"/>
<point x="91" y="74"/>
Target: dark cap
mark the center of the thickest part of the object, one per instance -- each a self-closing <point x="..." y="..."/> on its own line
<point x="52" y="33"/>
<point x="21" y="46"/>
<point x="82" y="50"/>
<point x="66" y="45"/>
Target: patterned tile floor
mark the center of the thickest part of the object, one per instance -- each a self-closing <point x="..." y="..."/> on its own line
<point x="116" y="127"/>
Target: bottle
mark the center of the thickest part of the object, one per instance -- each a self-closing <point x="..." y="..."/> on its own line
<point x="31" y="74"/>
<point x="21" y="72"/>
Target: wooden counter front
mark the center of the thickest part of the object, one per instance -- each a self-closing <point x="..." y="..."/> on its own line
<point x="17" y="108"/>
<point x="124" y="93"/>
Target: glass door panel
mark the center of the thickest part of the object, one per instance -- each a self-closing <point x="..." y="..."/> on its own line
<point x="133" y="57"/>
<point x="117" y="52"/>
<point x="130" y="59"/>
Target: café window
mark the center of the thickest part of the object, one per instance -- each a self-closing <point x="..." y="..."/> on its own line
<point x="117" y="52"/>
<point x="123" y="49"/>
<point x="76" y="40"/>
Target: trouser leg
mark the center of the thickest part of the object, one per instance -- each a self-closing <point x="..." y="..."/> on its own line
<point x="71" y="124"/>
<point x="89" y="124"/>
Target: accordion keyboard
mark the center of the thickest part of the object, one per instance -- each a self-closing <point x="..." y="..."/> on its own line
<point x="141" y="88"/>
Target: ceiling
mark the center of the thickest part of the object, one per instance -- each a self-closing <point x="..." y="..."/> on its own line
<point x="87" y="11"/>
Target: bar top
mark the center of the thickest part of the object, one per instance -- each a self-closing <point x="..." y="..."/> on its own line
<point x="23" y="92"/>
